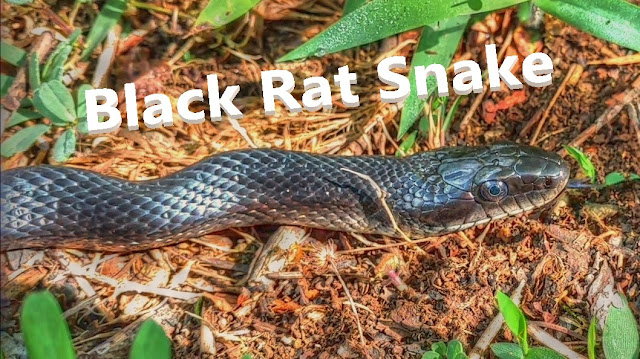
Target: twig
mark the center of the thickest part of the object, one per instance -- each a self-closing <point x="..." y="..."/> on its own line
<point x="551" y="103"/>
<point x="353" y="304"/>
<point x="494" y="327"/>
<point x="550" y="342"/>
<point x="607" y="116"/>
<point x="436" y="242"/>
<point x="478" y="100"/>
<point x="633" y="115"/>
<point x="381" y="196"/>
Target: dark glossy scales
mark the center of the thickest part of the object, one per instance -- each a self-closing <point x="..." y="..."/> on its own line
<point x="428" y="193"/>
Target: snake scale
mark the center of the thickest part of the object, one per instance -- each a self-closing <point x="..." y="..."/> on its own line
<point x="428" y="193"/>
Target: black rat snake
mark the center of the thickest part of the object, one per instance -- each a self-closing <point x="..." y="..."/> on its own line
<point x="433" y="192"/>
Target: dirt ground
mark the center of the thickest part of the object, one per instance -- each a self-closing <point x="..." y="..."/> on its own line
<point x="443" y="291"/>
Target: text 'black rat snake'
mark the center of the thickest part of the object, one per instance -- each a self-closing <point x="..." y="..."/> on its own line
<point x="429" y="193"/>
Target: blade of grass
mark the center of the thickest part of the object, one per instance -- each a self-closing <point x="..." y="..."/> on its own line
<point x="12" y="54"/>
<point x="514" y="317"/>
<point x="108" y="17"/>
<point x="378" y="19"/>
<point x="617" y="21"/>
<point x="151" y="342"/>
<point x="46" y="333"/>
<point x="438" y="44"/>
<point x="218" y="13"/>
<point x="350" y="5"/>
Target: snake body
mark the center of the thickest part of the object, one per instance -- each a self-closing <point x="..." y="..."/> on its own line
<point x="428" y="193"/>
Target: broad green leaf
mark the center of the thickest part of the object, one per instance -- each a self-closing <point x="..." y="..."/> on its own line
<point x="379" y="19"/>
<point x="439" y="347"/>
<point x="507" y="351"/>
<point x="454" y="348"/>
<point x="12" y="54"/>
<point x="22" y="140"/>
<point x="5" y="84"/>
<point x="431" y="355"/>
<point x="221" y="12"/>
<point x="591" y="339"/>
<point x="438" y="44"/>
<point x="514" y="318"/>
<point x="46" y="334"/>
<point x="151" y="342"/>
<point x="22" y="115"/>
<point x="611" y="20"/>
<point x="34" y="71"/>
<point x="585" y="163"/>
<point x="620" y="338"/>
<point x="543" y="353"/>
<point x="53" y="100"/>
<point x="247" y="356"/>
<point x="350" y="5"/>
<point x="108" y="17"/>
<point x="407" y="144"/>
<point x="65" y="146"/>
<point x="614" y="178"/>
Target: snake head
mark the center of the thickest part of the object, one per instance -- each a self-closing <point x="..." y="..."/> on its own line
<point x="506" y="179"/>
<point x="475" y="185"/>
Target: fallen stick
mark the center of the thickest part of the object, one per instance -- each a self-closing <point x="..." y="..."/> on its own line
<point x="607" y="116"/>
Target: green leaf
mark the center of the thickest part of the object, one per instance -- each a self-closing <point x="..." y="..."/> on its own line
<point x="221" y="12"/>
<point x="151" y="342"/>
<point x="247" y="356"/>
<point x="22" y="140"/>
<point x="620" y="338"/>
<point x="543" y="353"/>
<point x="54" y="68"/>
<point x="34" y="71"/>
<point x="12" y="54"/>
<point x="53" y="100"/>
<point x="5" y="84"/>
<point x="454" y="348"/>
<point x="108" y="17"/>
<point x="440" y="348"/>
<point x="634" y="177"/>
<point x="452" y="112"/>
<point x="81" y="109"/>
<point x="514" y="318"/>
<point x="22" y="115"/>
<point x="379" y="19"/>
<point x="525" y="11"/>
<point x="19" y="2"/>
<point x="583" y="161"/>
<point x="65" y="146"/>
<point x="507" y="351"/>
<point x="613" y="178"/>
<point x="350" y="5"/>
<point x="407" y="144"/>
<point x="431" y="355"/>
<point x="46" y="334"/>
<point x="438" y="44"/>
<point x="611" y="20"/>
<point x="591" y="339"/>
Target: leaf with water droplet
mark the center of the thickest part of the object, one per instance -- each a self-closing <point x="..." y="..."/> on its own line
<point x="379" y="19"/>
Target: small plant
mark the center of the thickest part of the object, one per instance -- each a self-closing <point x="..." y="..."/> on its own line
<point x="46" y="333"/>
<point x="53" y="100"/>
<point x="440" y="350"/>
<point x="589" y="169"/>
<point x="517" y="323"/>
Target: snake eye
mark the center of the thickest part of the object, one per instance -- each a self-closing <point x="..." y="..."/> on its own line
<point x="493" y="190"/>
